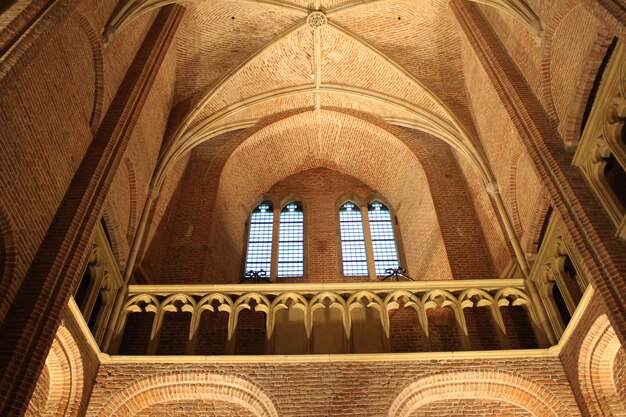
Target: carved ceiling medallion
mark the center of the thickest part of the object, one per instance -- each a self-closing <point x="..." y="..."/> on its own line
<point x="316" y="19"/>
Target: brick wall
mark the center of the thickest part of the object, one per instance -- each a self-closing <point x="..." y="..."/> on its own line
<point x="340" y="388"/>
<point x="43" y="139"/>
<point x="45" y="134"/>
<point x="519" y="328"/>
<point x="404" y="332"/>
<point x="212" y="337"/>
<point x="136" y="335"/>
<point x="576" y="356"/>
<point x="66" y="381"/>
<point x="550" y="64"/>
<point x="37" y="404"/>
<point x="443" y="330"/>
<point x="155" y="244"/>
<point x="577" y="27"/>
<point x="179" y="245"/>
<point x="53" y="99"/>
<point x="88" y="358"/>
<point x="463" y="238"/>
<point x="375" y="157"/>
<point x="423" y="39"/>
<point x="520" y="43"/>
<point x="174" y="334"/>
<point x="499" y="250"/>
<point x="207" y="240"/>
<point x="619" y="375"/>
<point x="118" y="54"/>
<point x="529" y="202"/>
<point x="250" y="335"/>
<point x="520" y="186"/>
<point x="471" y="408"/>
<point x="129" y="190"/>
<point x="196" y="408"/>
<point x="481" y="328"/>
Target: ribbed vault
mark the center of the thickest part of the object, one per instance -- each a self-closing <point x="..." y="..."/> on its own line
<point x="397" y="61"/>
<point x="129" y="10"/>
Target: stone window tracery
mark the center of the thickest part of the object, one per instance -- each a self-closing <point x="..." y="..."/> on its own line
<point x="100" y="285"/>
<point x="601" y="152"/>
<point x="557" y="276"/>
<point x="368" y="240"/>
<point x="615" y="177"/>
<point x="276" y="240"/>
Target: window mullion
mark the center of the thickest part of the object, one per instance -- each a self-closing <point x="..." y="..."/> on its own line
<point x="369" y="248"/>
<point x="275" y="232"/>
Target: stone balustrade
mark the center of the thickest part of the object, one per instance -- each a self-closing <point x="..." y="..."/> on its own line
<point x="367" y="317"/>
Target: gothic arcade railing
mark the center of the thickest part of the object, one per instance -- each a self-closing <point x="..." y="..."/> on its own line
<point x="373" y="317"/>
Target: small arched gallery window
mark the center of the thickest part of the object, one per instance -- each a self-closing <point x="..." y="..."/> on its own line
<point x="291" y="241"/>
<point x="354" y="254"/>
<point x="259" y="254"/>
<point x="383" y="239"/>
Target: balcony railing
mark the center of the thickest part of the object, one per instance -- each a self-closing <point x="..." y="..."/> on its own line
<point x="327" y="318"/>
<point x="331" y="318"/>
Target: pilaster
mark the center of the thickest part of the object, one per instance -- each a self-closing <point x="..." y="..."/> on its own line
<point x="602" y="255"/>
<point x="34" y="316"/>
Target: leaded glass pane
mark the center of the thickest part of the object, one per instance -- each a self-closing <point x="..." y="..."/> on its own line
<point x="353" y="251"/>
<point x="383" y="240"/>
<point x="291" y="241"/>
<point x="259" y="255"/>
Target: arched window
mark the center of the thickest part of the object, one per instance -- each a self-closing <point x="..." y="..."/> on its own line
<point x="601" y="150"/>
<point x="259" y="255"/>
<point x="105" y="227"/>
<point x="291" y="241"/>
<point x="352" y="240"/>
<point x="615" y="176"/>
<point x="383" y="240"/>
<point x="561" y="305"/>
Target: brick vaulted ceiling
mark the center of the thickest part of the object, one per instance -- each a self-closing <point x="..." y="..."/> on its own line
<point x="233" y="50"/>
<point x="239" y="61"/>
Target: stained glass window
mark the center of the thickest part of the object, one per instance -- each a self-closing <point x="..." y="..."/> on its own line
<point x="259" y="255"/>
<point x="383" y="241"/>
<point x="352" y="240"/>
<point x="291" y="241"/>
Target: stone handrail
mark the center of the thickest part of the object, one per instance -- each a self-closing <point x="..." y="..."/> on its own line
<point x="346" y="297"/>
